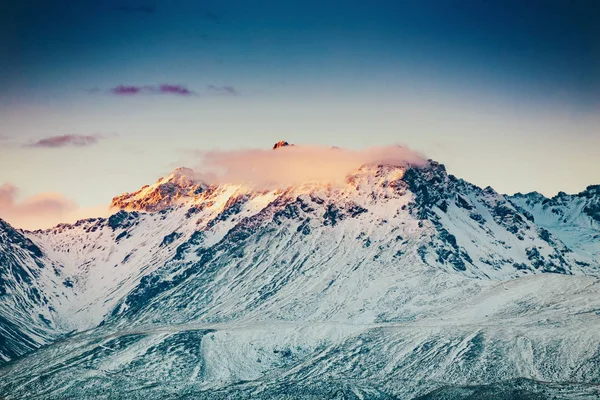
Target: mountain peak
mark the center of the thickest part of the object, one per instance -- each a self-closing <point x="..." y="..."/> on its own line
<point x="182" y="177"/>
<point x="281" y="143"/>
<point x="591" y="191"/>
<point x="167" y="191"/>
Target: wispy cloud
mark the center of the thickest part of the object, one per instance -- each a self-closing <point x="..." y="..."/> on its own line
<point x="126" y="90"/>
<point x="292" y="165"/>
<point x="43" y="210"/>
<point x="66" y="141"/>
<point x="225" y="90"/>
<point x="163" y="88"/>
<point x="174" y="89"/>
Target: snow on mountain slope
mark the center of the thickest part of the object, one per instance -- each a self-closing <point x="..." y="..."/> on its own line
<point x="351" y="253"/>
<point x="400" y="281"/>
<point x="31" y="295"/>
<point x="542" y="328"/>
<point x="104" y="259"/>
<point x="574" y="219"/>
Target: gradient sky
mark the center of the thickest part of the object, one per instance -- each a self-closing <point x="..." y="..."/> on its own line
<point x="100" y="97"/>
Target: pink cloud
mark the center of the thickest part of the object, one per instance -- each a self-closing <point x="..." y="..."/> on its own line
<point x="43" y="210"/>
<point x="292" y="165"/>
<point x="66" y="140"/>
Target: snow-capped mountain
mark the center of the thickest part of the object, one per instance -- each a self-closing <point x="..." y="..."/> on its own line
<point x="574" y="219"/>
<point x="31" y="293"/>
<point x="403" y="282"/>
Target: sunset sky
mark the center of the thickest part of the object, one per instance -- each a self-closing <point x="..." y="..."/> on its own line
<point x="101" y="97"/>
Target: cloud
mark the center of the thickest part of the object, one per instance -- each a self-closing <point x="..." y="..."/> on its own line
<point x="126" y="90"/>
<point x="43" y="210"/>
<point x="292" y="165"/>
<point x="174" y="89"/>
<point x="225" y="90"/>
<point x="163" y="88"/>
<point x="66" y="141"/>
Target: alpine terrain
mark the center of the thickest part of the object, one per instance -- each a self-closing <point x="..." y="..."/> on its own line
<point x="405" y="282"/>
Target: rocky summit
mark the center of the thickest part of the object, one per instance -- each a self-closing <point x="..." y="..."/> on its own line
<point x="405" y="282"/>
<point x="281" y="143"/>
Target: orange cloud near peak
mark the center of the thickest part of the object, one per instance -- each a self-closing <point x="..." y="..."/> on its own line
<point x="292" y="165"/>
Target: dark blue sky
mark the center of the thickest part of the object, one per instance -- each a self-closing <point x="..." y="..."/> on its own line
<point x="542" y="49"/>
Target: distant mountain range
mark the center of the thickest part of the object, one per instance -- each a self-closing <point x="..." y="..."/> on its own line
<point x="405" y="282"/>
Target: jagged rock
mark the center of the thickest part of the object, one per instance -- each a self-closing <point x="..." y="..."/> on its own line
<point x="281" y="143"/>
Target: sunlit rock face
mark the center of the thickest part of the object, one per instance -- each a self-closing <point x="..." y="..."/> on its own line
<point x="403" y="282"/>
<point x="281" y="143"/>
<point x="181" y="184"/>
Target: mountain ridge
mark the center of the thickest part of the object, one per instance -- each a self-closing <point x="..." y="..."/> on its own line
<point x="284" y="275"/>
